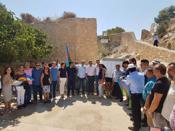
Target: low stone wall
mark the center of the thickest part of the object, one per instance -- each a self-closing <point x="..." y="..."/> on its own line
<point x="115" y="38"/>
<point x="128" y="38"/>
<point x="146" y="50"/>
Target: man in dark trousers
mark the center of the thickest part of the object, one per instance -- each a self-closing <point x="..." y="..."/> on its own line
<point x="54" y="76"/>
<point x="117" y="92"/>
<point x="155" y="101"/>
<point x="143" y="68"/>
<point x="135" y="82"/>
<point x="36" y="75"/>
<point x="156" y="40"/>
<point x="71" y="71"/>
<point x="90" y="73"/>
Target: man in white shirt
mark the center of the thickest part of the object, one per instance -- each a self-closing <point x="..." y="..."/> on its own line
<point x="90" y="72"/>
<point x="135" y="82"/>
<point x="170" y="99"/>
<point x="97" y="75"/>
<point x="156" y="39"/>
<point x="81" y="78"/>
<point x="117" y="92"/>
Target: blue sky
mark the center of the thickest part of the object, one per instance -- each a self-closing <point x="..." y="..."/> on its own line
<point x="132" y="15"/>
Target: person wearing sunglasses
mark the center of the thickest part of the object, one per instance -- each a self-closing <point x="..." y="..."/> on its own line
<point x="36" y="75"/>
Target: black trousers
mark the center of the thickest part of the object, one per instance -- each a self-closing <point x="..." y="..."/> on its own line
<point x="91" y="80"/>
<point x="144" y="120"/>
<point x="136" y="110"/>
<point x="28" y="94"/>
<point x="70" y="86"/>
<point x="117" y="92"/>
<point x="156" y="43"/>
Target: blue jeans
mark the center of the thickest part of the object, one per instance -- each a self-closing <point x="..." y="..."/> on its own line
<point x="81" y="85"/>
<point x="37" y="89"/>
<point x="53" y="89"/>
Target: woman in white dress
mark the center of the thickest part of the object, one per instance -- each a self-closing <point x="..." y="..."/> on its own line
<point x="7" y="87"/>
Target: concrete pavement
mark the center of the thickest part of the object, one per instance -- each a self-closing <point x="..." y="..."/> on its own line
<point x="72" y="114"/>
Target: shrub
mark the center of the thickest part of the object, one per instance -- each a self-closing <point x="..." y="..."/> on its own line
<point x="68" y="15"/>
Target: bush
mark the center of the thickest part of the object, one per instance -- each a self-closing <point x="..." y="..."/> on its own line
<point x="28" y="18"/>
<point x="114" y="30"/>
<point x="68" y="15"/>
<point x="161" y="30"/>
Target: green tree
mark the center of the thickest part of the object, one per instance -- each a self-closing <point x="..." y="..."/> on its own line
<point x="163" y="19"/>
<point x="165" y="15"/>
<point x="68" y="15"/>
<point x="114" y="30"/>
<point x="20" y="41"/>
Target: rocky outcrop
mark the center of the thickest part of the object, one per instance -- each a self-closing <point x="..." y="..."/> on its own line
<point x="140" y="49"/>
<point x="146" y="35"/>
<point x="168" y="41"/>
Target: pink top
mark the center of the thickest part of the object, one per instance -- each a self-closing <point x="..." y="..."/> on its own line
<point x="29" y="73"/>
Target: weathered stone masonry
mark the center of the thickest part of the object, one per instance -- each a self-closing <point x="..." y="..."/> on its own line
<point x="79" y="34"/>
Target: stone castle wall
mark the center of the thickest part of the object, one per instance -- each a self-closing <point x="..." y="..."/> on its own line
<point x="116" y="38"/>
<point x="79" y="34"/>
<point x="146" y="50"/>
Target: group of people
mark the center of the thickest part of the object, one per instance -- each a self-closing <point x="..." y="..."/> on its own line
<point x="43" y="79"/>
<point x="149" y="87"/>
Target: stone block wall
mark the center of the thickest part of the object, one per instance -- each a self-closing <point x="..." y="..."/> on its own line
<point x="79" y="34"/>
<point x="115" y="38"/>
<point x="146" y="50"/>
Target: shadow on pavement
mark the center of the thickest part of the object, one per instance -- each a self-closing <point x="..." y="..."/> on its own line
<point x="11" y="118"/>
<point x="128" y="111"/>
<point x="93" y="99"/>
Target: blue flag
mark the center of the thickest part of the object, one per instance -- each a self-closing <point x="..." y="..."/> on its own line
<point x="68" y="59"/>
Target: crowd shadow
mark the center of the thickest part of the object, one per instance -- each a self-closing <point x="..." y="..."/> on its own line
<point x="128" y="111"/>
<point x="92" y="99"/>
<point x="12" y="118"/>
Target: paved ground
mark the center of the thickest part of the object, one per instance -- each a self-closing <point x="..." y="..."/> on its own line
<point x="72" y="114"/>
